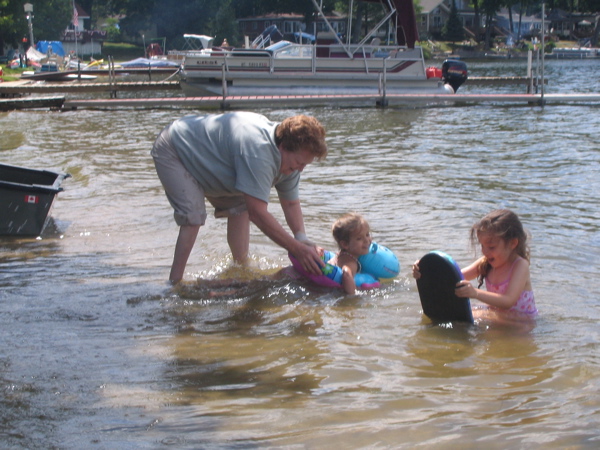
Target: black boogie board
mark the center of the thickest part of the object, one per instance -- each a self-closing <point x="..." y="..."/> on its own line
<point x="439" y="275"/>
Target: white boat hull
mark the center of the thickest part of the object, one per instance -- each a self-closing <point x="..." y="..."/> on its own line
<point x="203" y="88"/>
<point x="293" y="69"/>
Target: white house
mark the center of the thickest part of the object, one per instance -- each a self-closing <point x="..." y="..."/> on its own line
<point x="434" y="15"/>
<point x="79" y="38"/>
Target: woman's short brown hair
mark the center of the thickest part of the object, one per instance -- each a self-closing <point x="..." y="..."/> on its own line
<point x="302" y="133"/>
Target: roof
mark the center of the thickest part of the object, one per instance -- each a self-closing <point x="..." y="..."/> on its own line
<point x="429" y="5"/>
<point x="288" y="16"/>
<point x="82" y="13"/>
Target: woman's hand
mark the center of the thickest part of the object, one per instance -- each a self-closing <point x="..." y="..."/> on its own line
<point x="309" y="258"/>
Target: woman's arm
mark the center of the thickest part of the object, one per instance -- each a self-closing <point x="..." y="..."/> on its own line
<point x="259" y="215"/>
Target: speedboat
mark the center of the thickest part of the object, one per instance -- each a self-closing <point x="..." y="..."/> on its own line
<point x="329" y="66"/>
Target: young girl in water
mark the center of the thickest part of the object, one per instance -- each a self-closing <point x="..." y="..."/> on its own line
<point x="504" y="265"/>
<point x="353" y="236"/>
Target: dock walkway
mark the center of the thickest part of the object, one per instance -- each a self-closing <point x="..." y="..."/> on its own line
<point x="328" y="100"/>
<point x="16" y="88"/>
<point x="220" y="103"/>
<point x="23" y="87"/>
<point x="18" y="95"/>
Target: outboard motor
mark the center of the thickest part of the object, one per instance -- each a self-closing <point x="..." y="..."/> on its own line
<point x="454" y="72"/>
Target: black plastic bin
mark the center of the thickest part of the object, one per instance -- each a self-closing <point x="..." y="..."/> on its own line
<point x="26" y="196"/>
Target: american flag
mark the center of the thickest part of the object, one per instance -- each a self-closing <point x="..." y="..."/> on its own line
<point x="75" y="17"/>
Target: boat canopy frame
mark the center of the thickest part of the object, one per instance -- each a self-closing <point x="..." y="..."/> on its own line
<point x="405" y="23"/>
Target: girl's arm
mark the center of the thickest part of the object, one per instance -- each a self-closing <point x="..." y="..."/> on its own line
<point x="349" y="269"/>
<point x="519" y="281"/>
<point x="472" y="271"/>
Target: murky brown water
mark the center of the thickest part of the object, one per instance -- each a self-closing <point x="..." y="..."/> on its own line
<point x="98" y="352"/>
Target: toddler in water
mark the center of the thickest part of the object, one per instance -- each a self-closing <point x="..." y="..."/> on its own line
<point x="353" y="236"/>
<point x="504" y="265"/>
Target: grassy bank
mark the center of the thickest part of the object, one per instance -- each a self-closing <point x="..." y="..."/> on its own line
<point x="12" y="74"/>
<point x="121" y="51"/>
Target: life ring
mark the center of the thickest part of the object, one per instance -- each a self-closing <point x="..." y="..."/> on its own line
<point x="379" y="263"/>
<point x="332" y="275"/>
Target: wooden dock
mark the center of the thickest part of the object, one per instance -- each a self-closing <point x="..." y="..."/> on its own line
<point x="13" y="89"/>
<point x="241" y="102"/>
<point x="25" y="94"/>
<point x="417" y="100"/>
<point x="25" y="86"/>
<point x="10" y="104"/>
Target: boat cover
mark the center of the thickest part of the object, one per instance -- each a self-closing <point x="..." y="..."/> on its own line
<point x="145" y="62"/>
<point x="55" y="46"/>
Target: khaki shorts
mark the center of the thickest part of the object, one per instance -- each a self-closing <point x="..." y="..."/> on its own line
<point x="183" y="191"/>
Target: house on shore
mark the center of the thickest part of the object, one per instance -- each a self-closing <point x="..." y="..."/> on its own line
<point x="79" y="38"/>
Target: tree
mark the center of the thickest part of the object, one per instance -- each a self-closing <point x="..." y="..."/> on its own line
<point x="476" y="18"/>
<point x="12" y="23"/>
<point x="453" y="30"/>
<point x="50" y="19"/>
<point x="490" y="8"/>
<point x="224" y="25"/>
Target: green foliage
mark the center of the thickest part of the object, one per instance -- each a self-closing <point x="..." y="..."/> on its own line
<point x="50" y="19"/>
<point x="225" y="25"/>
<point x="13" y="25"/>
<point x="418" y="7"/>
<point x="113" y="32"/>
<point x="453" y="30"/>
<point x="549" y="47"/>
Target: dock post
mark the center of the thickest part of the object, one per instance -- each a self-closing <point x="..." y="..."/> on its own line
<point x="529" y="72"/>
<point x="112" y="77"/>
<point x="382" y="86"/>
<point x="543" y="50"/>
<point x="224" y="87"/>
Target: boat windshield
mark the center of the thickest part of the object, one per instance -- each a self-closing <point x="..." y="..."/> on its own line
<point x="286" y="49"/>
<point x="278" y="46"/>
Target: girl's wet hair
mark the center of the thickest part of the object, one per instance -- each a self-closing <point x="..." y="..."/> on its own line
<point x="504" y="224"/>
<point x="343" y="228"/>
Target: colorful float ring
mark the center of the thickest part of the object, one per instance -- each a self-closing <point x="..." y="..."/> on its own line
<point x="379" y="261"/>
<point x="332" y="276"/>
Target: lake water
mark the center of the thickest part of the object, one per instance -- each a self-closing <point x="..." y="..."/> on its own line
<point x="99" y="352"/>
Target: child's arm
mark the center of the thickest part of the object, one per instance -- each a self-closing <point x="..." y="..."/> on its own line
<point x="472" y="271"/>
<point x="518" y="282"/>
<point x="349" y="269"/>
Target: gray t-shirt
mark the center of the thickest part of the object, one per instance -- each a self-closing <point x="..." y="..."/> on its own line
<point x="233" y="153"/>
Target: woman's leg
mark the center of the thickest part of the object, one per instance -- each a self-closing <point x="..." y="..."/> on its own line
<point x="183" y="248"/>
<point x="238" y="236"/>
